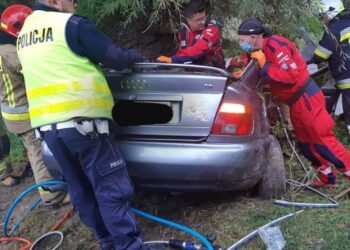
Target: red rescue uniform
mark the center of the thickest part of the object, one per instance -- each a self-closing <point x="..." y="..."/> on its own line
<point x="290" y="81"/>
<point x="202" y="47"/>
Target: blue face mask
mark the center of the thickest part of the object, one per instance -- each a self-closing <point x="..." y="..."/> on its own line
<point x="247" y="47"/>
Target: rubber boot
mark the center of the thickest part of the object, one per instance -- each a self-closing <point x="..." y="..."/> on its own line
<point x="316" y="183"/>
<point x="9" y="182"/>
<point x="20" y="171"/>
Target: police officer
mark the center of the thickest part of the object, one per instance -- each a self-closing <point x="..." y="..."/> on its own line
<point x="70" y="103"/>
<point x="199" y="41"/>
<point x="14" y="104"/>
<point x="289" y="79"/>
<point x="334" y="47"/>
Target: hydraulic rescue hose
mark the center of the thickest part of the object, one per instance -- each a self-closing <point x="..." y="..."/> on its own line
<point x="251" y="235"/>
<point x="16" y="239"/>
<point x="334" y="203"/>
<point x="184" y="245"/>
<point x="177" y="226"/>
<point x="38" y="241"/>
<point x="19" y="199"/>
<point x="19" y="221"/>
<point x="280" y="114"/>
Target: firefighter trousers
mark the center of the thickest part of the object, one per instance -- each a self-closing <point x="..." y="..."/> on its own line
<point x="346" y="106"/>
<point x="41" y="173"/>
<point x="313" y="127"/>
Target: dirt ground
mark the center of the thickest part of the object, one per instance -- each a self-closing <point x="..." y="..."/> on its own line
<point x="193" y="210"/>
<point x="224" y="217"/>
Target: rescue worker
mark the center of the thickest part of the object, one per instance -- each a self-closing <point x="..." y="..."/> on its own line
<point x="14" y="104"/>
<point x="199" y="41"/>
<point x="70" y="104"/>
<point x="236" y="65"/>
<point x="334" y="47"/>
<point x="5" y="163"/>
<point x="286" y="72"/>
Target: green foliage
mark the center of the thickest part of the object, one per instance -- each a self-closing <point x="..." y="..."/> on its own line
<point x="90" y="8"/>
<point x="283" y="16"/>
<point x="3" y="2"/>
<point x="18" y="151"/>
<point x="129" y="10"/>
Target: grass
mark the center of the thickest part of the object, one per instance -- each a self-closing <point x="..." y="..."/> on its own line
<point x="226" y="217"/>
<point x="18" y="151"/>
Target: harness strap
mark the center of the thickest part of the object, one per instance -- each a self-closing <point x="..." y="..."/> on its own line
<point x="299" y="92"/>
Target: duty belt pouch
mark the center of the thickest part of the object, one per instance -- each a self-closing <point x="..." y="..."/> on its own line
<point x="38" y="134"/>
<point x="101" y="126"/>
<point x="84" y="126"/>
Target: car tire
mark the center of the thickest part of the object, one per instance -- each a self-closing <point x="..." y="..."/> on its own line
<point x="273" y="182"/>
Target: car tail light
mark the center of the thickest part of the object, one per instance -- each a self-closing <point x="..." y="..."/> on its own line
<point x="233" y="119"/>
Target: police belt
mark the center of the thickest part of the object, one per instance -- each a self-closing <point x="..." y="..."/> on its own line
<point x="71" y="124"/>
<point x="59" y="125"/>
<point x="299" y="92"/>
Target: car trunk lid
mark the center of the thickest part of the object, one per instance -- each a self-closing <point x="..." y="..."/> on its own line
<point x="193" y="93"/>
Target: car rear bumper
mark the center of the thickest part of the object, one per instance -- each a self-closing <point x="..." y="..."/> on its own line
<point x="195" y="166"/>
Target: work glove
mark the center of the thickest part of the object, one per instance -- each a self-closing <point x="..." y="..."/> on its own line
<point x="164" y="59"/>
<point x="260" y="57"/>
<point x="236" y="61"/>
<point x="237" y="73"/>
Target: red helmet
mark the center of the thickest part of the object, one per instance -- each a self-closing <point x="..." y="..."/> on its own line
<point x="12" y="18"/>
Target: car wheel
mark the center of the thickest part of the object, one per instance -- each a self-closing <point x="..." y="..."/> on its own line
<point x="273" y="182"/>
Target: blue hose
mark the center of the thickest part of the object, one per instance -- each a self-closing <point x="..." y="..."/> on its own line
<point x="20" y="197"/>
<point x="177" y="226"/>
<point x="136" y="211"/>
<point x="18" y="222"/>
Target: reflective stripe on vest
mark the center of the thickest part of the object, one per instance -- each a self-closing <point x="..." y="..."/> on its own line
<point x="60" y="85"/>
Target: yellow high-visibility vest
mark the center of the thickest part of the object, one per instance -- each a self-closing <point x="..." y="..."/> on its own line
<point x="60" y="84"/>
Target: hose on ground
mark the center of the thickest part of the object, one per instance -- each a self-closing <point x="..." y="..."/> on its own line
<point x="17" y="239"/>
<point x="63" y="219"/>
<point x="20" y="197"/>
<point x="254" y="233"/>
<point x="38" y="241"/>
<point x="206" y="243"/>
<point x="175" y="225"/>
<point x="334" y="203"/>
<point x="19" y="221"/>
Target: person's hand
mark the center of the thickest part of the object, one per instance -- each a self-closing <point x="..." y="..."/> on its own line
<point x="260" y="57"/>
<point x="164" y="59"/>
<point x="237" y="73"/>
<point x="236" y="61"/>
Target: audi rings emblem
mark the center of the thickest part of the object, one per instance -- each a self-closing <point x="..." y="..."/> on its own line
<point x="133" y="84"/>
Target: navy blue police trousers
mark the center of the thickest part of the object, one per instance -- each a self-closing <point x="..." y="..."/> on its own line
<point x="99" y="185"/>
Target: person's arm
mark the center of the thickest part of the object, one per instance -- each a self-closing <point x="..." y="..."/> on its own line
<point x="202" y="46"/>
<point x="12" y="61"/>
<point x="282" y="67"/>
<point x="85" y="40"/>
<point x="325" y="48"/>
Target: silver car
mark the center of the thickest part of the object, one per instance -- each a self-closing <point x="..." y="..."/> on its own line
<point x="194" y="128"/>
<point x="218" y="137"/>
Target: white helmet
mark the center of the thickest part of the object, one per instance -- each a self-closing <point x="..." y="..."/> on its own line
<point x="330" y="8"/>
